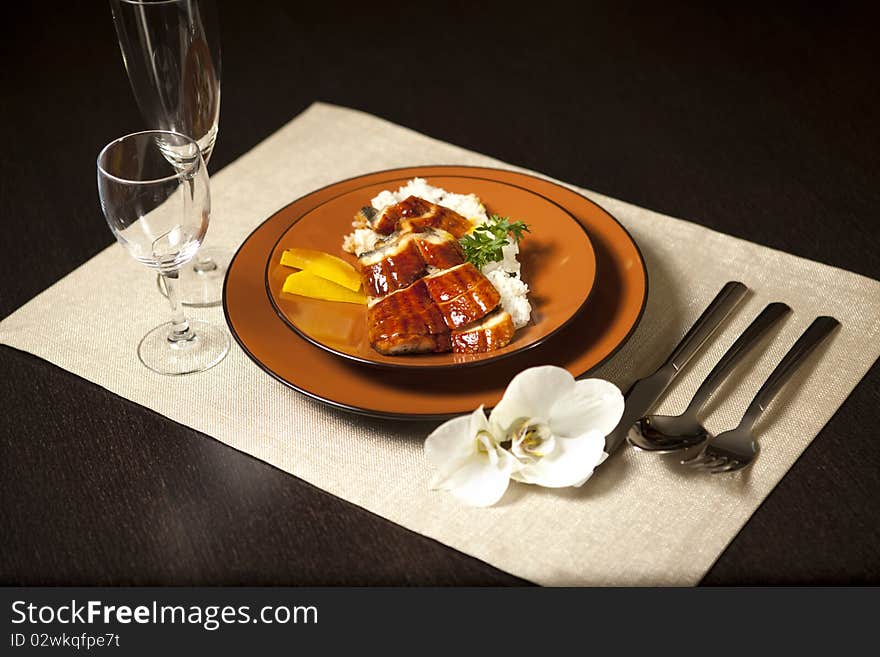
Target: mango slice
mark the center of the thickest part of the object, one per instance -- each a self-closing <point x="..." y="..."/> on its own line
<point x="323" y="265"/>
<point x="307" y="284"/>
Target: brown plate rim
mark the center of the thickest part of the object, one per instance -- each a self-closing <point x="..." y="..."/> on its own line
<point x="428" y="417"/>
<point x="488" y="357"/>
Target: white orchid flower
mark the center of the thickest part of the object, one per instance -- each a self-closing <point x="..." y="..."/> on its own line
<point x="555" y="425"/>
<point x="548" y="429"/>
<point x="470" y="463"/>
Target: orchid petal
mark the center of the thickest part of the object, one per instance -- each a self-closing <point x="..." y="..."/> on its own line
<point x="479" y="483"/>
<point x="478" y="422"/>
<point x="590" y="405"/>
<point x="469" y="462"/>
<point x="570" y="464"/>
<point x="532" y="393"/>
<point x="451" y="441"/>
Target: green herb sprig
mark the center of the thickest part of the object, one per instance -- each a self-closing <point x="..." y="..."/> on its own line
<point x="483" y="245"/>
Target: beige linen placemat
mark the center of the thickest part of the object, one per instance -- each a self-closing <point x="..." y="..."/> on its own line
<point x="640" y="520"/>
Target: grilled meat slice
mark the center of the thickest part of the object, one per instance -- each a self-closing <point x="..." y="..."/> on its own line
<point x="407" y="321"/>
<point x="403" y="257"/>
<point x="393" y="265"/>
<point x="414" y="214"/>
<point x="462" y="294"/>
<point x="493" y="332"/>
<point x="400" y="344"/>
<point x="439" y="249"/>
<point x="436" y="216"/>
<point x="385" y="222"/>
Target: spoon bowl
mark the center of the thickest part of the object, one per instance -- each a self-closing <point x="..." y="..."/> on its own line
<point x="667" y="433"/>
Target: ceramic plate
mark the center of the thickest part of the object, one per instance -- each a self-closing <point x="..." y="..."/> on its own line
<point x="558" y="264"/>
<point x="609" y="317"/>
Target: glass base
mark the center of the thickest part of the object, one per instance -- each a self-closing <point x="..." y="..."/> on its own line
<point x="200" y="284"/>
<point x="209" y="346"/>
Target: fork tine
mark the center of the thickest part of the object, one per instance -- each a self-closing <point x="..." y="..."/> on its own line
<point x="706" y="460"/>
<point x="730" y="466"/>
<point x="699" y="457"/>
<point x="713" y="462"/>
<point x="740" y="465"/>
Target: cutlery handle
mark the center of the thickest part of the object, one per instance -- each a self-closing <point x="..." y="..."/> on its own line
<point x="726" y="300"/>
<point x="737" y="351"/>
<point x="809" y="340"/>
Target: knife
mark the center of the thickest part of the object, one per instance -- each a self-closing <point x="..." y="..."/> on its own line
<point x="645" y="392"/>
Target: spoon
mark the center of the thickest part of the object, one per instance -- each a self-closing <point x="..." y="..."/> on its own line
<point x="667" y="433"/>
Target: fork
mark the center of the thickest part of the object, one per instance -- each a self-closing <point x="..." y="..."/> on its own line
<point x="735" y="449"/>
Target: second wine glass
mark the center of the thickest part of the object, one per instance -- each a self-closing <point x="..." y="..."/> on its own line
<point x="159" y="209"/>
<point x="171" y="52"/>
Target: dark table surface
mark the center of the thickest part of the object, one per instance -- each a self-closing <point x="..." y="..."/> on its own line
<point x="758" y="124"/>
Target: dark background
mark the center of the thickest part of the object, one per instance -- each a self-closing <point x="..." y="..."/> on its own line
<point x="753" y="121"/>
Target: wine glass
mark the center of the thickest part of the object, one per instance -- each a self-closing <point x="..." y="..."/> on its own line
<point x="158" y="208"/>
<point x="171" y="52"/>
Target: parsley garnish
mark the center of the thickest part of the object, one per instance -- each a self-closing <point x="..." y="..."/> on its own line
<point x="483" y="244"/>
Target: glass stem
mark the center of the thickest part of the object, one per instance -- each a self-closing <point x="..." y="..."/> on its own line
<point x="203" y="265"/>
<point x="180" y="328"/>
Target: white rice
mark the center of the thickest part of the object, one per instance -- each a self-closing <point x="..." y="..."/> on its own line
<point x="514" y="295"/>
<point x="504" y="274"/>
<point x="360" y="240"/>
